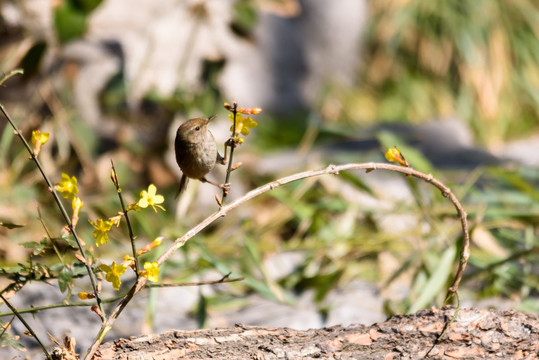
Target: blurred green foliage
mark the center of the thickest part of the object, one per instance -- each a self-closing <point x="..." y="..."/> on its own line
<point x="478" y="59"/>
<point x="245" y="17"/>
<point x="71" y="18"/>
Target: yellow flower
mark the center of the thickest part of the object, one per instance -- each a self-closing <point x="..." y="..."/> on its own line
<point x="243" y="124"/>
<point x="67" y="187"/>
<point x="151" y="271"/>
<point x="115" y="220"/>
<point x="76" y="204"/>
<point x="113" y="273"/>
<point x="85" y="296"/>
<point x="38" y="139"/>
<point x="129" y="261"/>
<point x="134" y="206"/>
<point x="150" y="198"/>
<point x="100" y="232"/>
<point x="394" y="155"/>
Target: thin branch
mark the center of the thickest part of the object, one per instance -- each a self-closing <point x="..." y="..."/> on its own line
<point x="331" y="169"/>
<point x="446" y="326"/>
<point x="36" y="309"/>
<point x="223" y="280"/>
<point x="114" y="177"/>
<point x="60" y="205"/>
<point x="53" y="242"/>
<point x="232" y="147"/>
<point x="10" y="74"/>
<point x="26" y="325"/>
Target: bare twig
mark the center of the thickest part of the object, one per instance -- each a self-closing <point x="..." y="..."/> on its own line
<point x="224" y="279"/>
<point x="331" y="169"/>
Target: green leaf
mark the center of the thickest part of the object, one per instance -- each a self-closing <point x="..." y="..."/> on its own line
<point x="262" y="288"/>
<point x="6" y="339"/>
<point x="518" y="181"/>
<point x="70" y="22"/>
<point x="301" y="209"/>
<point x="9" y="225"/>
<point x="210" y="257"/>
<point x="356" y="181"/>
<point x="71" y="241"/>
<point x="86" y="6"/>
<point x="437" y="280"/>
<point x="321" y="283"/>
<point x="31" y="244"/>
<point x="64" y="279"/>
<point x="38" y="247"/>
<point x="202" y="310"/>
<point x="245" y="17"/>
<point x="79" y="269"/>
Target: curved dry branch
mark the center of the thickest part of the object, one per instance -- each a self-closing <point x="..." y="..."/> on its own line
<point x="331" y="169"/>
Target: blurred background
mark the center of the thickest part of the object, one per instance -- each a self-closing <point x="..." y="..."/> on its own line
<point x="455" y="85"/>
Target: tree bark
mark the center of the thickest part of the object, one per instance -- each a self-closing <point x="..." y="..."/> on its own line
<point x="475" y="334"/>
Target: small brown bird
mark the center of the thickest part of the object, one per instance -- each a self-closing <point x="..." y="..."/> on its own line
<point x="196" y="152"/>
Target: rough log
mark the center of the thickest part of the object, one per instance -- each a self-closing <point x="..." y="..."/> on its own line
<point x="475" y="334"/>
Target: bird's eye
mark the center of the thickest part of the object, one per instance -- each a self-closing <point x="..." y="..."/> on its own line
<point x="197" y="128"/>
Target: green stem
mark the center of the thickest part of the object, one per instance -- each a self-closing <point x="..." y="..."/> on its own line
<point x="129" y="227"/>
<point x="21" y="319"/>
<point x="232" y="147"/>
<point x="53" y="242"/>
<point x="36" y="309"/>
<point x="10" y="74"/>
<point x="60" y="206"/>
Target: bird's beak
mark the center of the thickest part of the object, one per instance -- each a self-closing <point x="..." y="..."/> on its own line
<point x="211" y="118"/>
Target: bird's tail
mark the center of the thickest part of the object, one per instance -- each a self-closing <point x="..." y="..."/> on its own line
<point x="183" y="184"/>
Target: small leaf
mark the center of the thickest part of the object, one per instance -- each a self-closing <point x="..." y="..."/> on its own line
<point x="202" y="311"/>
<point x="64" y="279"/>
<point x="9" y="225"/>
<point x="356" y="181"/>
<point x="38" y="247"/>
<point x="31" y="244"/>
<point x="70" y="241"/>
<point x="6" y="339"/>
<point x="70" y="23"/>
<point x="86" y="6"/>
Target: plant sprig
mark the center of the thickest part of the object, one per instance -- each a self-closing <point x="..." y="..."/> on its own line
<point x="60" y="205"/>
<point x="240" y="125"/>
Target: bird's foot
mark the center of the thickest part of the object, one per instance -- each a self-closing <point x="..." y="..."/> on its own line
<point x="225" y="187"/>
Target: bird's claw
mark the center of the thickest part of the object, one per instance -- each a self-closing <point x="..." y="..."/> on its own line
<point x="225" y="188"/>
<point x="231" y="143"/>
